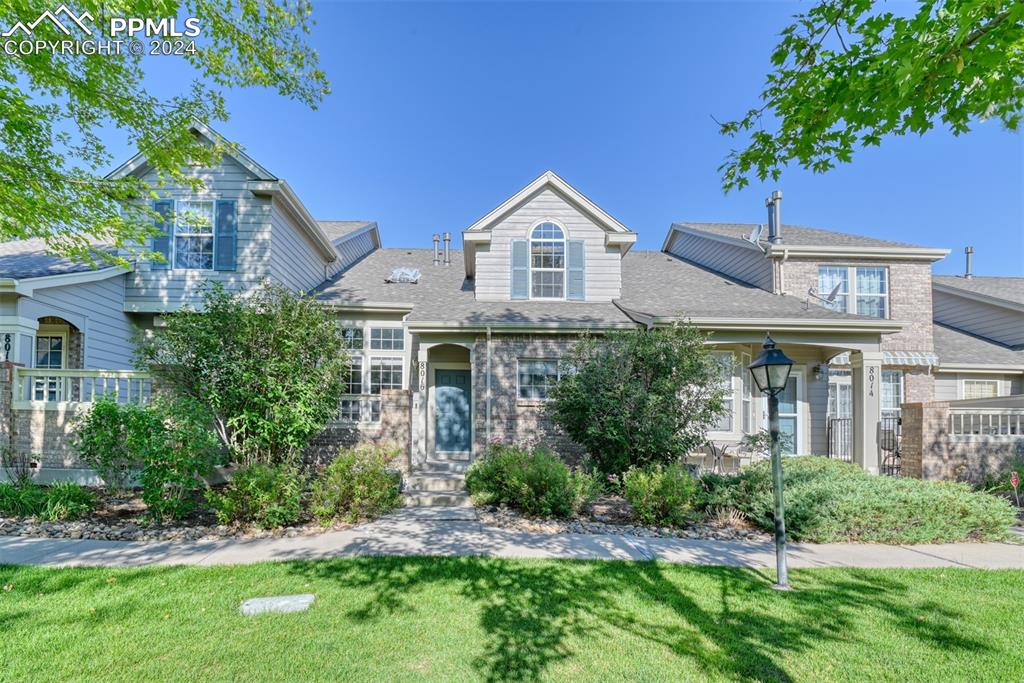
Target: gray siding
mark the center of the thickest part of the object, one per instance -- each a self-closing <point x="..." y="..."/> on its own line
<point x="351" y="250"/>
<point x="999" y="324"/>
<point x="97" y="310"/>
<point x="294" y="260"/>
<point x="947" y="384"/>
<point x="734" y="260"/>
<point x="170" y="289"/>
<point x="603" y="264"/>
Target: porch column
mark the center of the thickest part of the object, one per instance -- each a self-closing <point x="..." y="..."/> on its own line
<point x="418" y="426"/>
<point x="16" y="336"/>
<point x="867" y="407"/>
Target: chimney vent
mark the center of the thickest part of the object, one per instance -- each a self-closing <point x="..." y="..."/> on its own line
<point x="447" y="248"/>
<point x="774" y="205"/>
<point x="437" y="249"/>
<point x="969" y="253"/>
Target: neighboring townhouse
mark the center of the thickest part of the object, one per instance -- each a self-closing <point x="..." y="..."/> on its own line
<point x="979" y="336"/>
<point x="454" y="348"/>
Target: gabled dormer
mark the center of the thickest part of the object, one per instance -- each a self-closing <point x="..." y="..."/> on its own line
<point x="548" y="242"/>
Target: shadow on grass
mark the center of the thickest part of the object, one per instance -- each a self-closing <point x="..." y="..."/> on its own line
<point x="727" y="621"/>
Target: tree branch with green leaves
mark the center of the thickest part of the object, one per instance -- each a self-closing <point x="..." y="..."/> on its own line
<point x="846" y="75"/>
<point x="56" y="108"/>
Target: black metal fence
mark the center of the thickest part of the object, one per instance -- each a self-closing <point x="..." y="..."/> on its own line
<point x="840" y="442"/>
<point x="840" y="445"/>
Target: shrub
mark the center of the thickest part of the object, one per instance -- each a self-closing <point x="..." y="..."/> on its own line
<point x="110" y="437"/>
<point x="534" y="481"/>
<point x="357" y="485"/>
<point x="641" y="397"/>
<point x="268" y="366"/>
<point x="999" y="480"/>
<point x="268" y="496"/>
<point x="661" y="495"/>
<point x="67" y="500"/>
<point x="831" y="501"/>
<point x="60" y="501"/>
<point x="180" y="451"/>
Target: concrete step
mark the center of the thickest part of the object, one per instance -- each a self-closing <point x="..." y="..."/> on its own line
<point x="419" y="498"/>
<point x="436" y="481"/>
<point x="459" y="466"/>
<point x="452" y="457"/>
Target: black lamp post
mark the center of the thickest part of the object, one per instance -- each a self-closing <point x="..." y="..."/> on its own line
<point x="770" y="371"/>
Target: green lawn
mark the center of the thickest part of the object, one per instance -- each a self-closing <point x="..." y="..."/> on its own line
<point x="391" y="619"/>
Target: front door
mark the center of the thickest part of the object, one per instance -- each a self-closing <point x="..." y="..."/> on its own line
<point x="790" y="400"/>
<point x="451" y="405"/>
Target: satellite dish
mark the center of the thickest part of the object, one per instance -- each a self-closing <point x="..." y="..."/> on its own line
<point x="755" y="234"/>
<point x="834" y="293"/>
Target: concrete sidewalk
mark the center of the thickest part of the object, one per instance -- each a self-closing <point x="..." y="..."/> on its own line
<point x="410" y="532"/>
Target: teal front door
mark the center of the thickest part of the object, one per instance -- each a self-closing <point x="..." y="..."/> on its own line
<point x="451" y="405"/>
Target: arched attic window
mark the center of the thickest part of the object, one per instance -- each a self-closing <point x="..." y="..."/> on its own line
<point x="547" y="262"/>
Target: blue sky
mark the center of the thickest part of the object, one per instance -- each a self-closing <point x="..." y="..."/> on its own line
<point x="441" y="111"/>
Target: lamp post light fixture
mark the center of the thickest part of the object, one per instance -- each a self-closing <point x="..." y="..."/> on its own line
<point x="770" y="371"/>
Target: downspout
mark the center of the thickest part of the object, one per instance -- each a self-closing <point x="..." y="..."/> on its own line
<point x="487" y="398"/>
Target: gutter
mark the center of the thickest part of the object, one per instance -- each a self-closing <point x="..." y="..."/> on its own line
<point x="880" y="253"/>
<point x="978" y="368"/>
<point x="441" y="326"/>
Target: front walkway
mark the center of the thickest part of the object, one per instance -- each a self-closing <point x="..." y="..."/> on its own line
<point x="455" y="532"/>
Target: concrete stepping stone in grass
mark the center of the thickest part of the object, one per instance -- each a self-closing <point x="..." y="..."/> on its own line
<point x="277" y="603"/>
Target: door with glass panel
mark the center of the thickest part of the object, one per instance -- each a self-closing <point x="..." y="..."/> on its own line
<point x="49" y="355"/>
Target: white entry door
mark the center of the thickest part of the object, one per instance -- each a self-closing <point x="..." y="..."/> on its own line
<point x="791" y="410"/>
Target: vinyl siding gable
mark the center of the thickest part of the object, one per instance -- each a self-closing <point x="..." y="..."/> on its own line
<point x="153" y="288"/>
<point x="733" y="260"/>
<point x="603" y="275"/>
<point x="980" y="318"/>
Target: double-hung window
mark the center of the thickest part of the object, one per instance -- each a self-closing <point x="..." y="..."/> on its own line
<point x="537" y="377"/>
<point x="862" y="290"/>
<point x="49" y="355"/>
<point x="371" y="373"/>
<point x="726" y="370"/>
<point x="547" y="262"/>
<point x="193" y="234"/>
<point x="385" y="373"/>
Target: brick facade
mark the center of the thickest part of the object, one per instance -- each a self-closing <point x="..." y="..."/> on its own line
<point x="930" y="451"/>
<point x="514" y="420"/>
<point x="910" y="296"/>
<point x="393" y="429"/>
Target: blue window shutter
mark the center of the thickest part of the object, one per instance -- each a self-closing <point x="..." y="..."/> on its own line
<point x="225" y="235"/>
<point x="164" y="226"/>
<point x="576" y="271"/>
<point x="520" y="270"/>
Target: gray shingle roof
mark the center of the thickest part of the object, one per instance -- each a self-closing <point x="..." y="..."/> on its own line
<point x="660" y="285"/>
<point x="1009" y="289"/>
<point x="335" y="230"/>
<point x="445" y="295"/>
<point x="797" y="235"/>
<point x="956" y="346"/>
<point x="22" y="259"/>
<point x="653" y="283"/>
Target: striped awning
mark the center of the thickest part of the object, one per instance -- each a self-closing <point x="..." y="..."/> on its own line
<point x="911" y="358"/>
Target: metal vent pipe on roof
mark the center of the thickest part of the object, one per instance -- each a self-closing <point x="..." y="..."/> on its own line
<point x="969" y="254"/>
<point x="437" y="249"/>
<point x="447" y="248"/>
<point x="774" y="205"/>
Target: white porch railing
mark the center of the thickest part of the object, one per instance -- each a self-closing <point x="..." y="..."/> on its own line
<point x="34" y="386"/>
<point x="986" y="422"/>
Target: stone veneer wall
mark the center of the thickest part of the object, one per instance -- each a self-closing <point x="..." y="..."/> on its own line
<point x="514" y="420"/>
<point x="931" y="452"/>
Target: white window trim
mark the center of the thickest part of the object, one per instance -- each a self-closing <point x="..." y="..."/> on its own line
<point x="173" y="247"/>
<point x="851" y="289"/>
<point x="734" y="398"/>
<point x="565" y="258"/>
<point x="559" y="372"/>
<point x="963" y="386"/>
<point x="903" y="393"/>
<point x="367" y="355"/>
